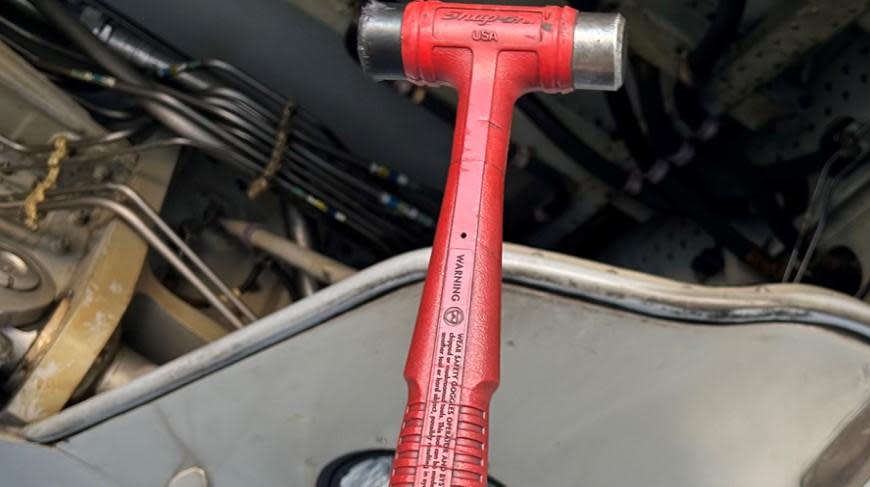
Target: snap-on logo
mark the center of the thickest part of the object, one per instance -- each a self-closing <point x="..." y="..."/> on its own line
<point x="454" y="316"/>
<point x="484" y="19"/>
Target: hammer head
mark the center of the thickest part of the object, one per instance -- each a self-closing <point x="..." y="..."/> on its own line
<point x="596" y="40"/>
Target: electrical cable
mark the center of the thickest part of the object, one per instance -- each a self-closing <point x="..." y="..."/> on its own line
<point x="818" y="190"/>
<point x="826" y="197"/>
<point x="240" y="100"/>
<point x="81" y="143"/>
<point x="105" y="112"/>
<point x="235" y="139"/>
<point x="139" y="48"/>
<point x="324" y="170"/>
<point x="385" y="198"/>
<point x="42" y="42"/>
<point x="57" y="14"/>
<point x="558" y="133"/>
<point x="246" y="80"/>
<point x="244" y="148"/>
<point x="298" y="192"/>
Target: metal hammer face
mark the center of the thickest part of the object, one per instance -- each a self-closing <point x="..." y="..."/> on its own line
<point x="491" y="55"/>
<point x="391" y="37"/>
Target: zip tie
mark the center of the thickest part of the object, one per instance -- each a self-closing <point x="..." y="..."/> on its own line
<point x="282" y="137"/>
<point x="37" y="196"/>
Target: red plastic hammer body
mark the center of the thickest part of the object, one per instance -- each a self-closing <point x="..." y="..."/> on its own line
<point x="491" y="55"/>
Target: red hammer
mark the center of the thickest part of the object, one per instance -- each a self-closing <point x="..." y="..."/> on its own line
<point x="491" y="55"/>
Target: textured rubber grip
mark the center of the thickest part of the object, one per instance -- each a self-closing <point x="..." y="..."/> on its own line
<point x="469" y="461"/>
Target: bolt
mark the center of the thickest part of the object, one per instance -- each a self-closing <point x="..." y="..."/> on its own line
<point x="59" y="245"/>
<point x="101" y="173"/>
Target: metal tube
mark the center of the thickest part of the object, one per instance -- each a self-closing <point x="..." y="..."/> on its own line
<point x="137" y="225"/>
<point x="565" y="276"/>
<point x="78" y="144"/>
<point x="316" y="265"/>
<point x="161" y="225"/>
<point x="300" y="231"/>
<point x="152" y="215"/>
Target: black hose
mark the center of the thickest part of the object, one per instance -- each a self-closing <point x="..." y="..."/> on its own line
<point x="666" y="142"/>
<point x="687" y="101"/>
<point x="629" y="129"/>
<point x="679" y="196"/>
<point x="555" y="130"/>
<point x="664" y="137"/>
<point x="716" y="40"/>
<point x="703" y="58"/>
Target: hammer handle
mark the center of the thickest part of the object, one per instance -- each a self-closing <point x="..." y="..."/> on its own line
<point x="453" y="363"/>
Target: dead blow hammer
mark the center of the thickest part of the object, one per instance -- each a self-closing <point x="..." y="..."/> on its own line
<point x="491" y="55"/>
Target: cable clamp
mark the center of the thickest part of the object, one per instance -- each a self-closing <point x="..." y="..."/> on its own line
<point x="37" y="196"/>
<point x="282" y="139"/>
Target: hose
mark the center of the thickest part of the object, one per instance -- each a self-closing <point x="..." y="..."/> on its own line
<point x="666" y="140"/>
<point x="680" y="196"/>
<point x="716" y="40"/>
<point x="669" y="144"/>
<point x="701" y="61"/>
<point x="558" y="133"/>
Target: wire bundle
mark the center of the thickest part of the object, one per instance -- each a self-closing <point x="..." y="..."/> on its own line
<point x="217" y="108"/>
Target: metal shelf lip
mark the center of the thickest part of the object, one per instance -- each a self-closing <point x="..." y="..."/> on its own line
<point x="584" y="280"/>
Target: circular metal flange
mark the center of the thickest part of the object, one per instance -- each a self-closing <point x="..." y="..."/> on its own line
<point x="26" y="289"/>
<point x="15" y="273"/>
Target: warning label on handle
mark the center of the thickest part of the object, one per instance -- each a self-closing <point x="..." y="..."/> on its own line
<point x="445" y="384"/>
